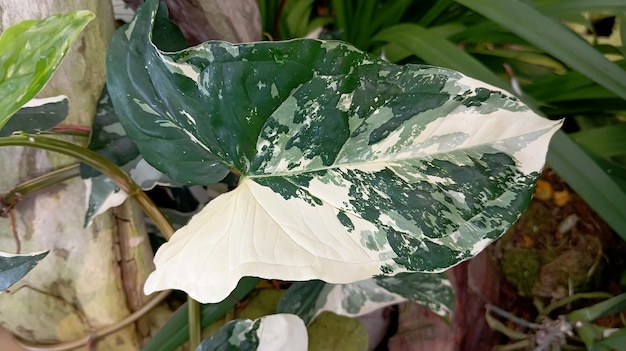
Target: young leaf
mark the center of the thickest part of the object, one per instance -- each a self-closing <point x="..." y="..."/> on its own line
<point x="350" y="166"/>
<point x="37" y="115"/>
<point x="309" y="299"/>
<point x="30" y="52"/>
<point x="273" y="332"/>
<point x="14" y="267"/>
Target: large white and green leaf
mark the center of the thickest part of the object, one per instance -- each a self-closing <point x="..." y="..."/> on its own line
<point x="273" y="332"/>
<point x="309" y="299"/>
<point x="109" y="139"/>
<point x="30" y="52"/>
<point x="351" y="167"/>
<point x="14" y="267"/>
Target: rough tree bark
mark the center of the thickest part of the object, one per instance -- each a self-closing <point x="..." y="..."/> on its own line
<point x="83" y="284"/>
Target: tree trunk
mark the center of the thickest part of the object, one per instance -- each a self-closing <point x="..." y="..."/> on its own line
<point x="82" y="285"/>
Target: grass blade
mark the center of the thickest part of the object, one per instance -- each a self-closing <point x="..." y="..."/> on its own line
<point x="554" y="38"/>
<point x="436" y="50"/>
<point x="592" y="183"/>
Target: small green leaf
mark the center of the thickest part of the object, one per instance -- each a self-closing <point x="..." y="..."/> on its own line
<point x="38" y="115"/>
<point x="14" y="267"/>
<point x="590" y="181"/>
<point x="273" y="332"/>
<point x="30" y="52"/>
<point x="351" y="167"/>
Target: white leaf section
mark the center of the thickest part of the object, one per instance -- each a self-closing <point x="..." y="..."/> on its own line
<point x="253" y="231"/>
<point x="283" y="331"/>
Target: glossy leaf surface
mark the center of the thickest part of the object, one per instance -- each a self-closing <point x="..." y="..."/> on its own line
<point x="30" y="52"/>
<point x="15" y="267"/>
<point x="37" y="115"/>
<point x="350" y="166"/>
<point x="273" y="332"/>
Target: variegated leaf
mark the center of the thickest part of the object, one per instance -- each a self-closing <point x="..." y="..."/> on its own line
<point x="309" y="299"/>
<point x="15" y="267"/>
<point x="109" y="139"/>
<point x="273" y="332"/>
<point x="350" y="166"/>
<point x="30" y="52"/>
<point x="37" y="115"/>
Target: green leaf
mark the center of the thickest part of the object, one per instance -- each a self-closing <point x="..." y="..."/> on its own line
<point x="350" y="166"/>
<point x="605" y="141"/>
<point x="615" y="340"/>
<point x="37" y="115"/>
<point x="30" y="52"/>
<point x="590" y="181"/>
<point x="109" y="140"/>
<point x="554" y="38"/>
<point x="436" y="50"/>
<point x="309" y="299"/>
<point x="176" y="331"/>
<point x="273" y="332"/>
<point x="180" y="156"/>
<point x="14" y="267"/>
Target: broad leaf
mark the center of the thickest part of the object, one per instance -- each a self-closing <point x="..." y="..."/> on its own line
<point x="14" y="267"/>
<point x="30" y="52"/>
<point x="109" y="139"/>
<point x="37" y="115"/>
<point x="309" y="299"/>
<point x="273" y="332"/>
<point x="350" y="166"/>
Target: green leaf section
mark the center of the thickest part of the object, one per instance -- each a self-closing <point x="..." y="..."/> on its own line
<point x="244" y="332"/>
<point x="37" y="116"/>
<point x="309" y="299"/>
<point x="146" y="109"/>
<point x="30" y="52"/>
<point x="109" y="139"/>
<point x="15" y="267"/>
<point x="273" y="332"/>
<point x="593" y="184"/>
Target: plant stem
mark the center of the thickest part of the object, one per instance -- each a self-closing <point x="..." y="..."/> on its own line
<point x="39" y="183"/>
<point x="100" y="163"/>
<point x="195" y="330"/>
<point x="127" y="185"/>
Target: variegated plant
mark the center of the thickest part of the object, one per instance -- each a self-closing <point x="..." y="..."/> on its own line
<point x="350" y="166"/>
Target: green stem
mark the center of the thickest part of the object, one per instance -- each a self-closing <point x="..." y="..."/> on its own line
<point x="117" y="175"/>
<point x="40" y="182"/>
<point x="195" y="331"/>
